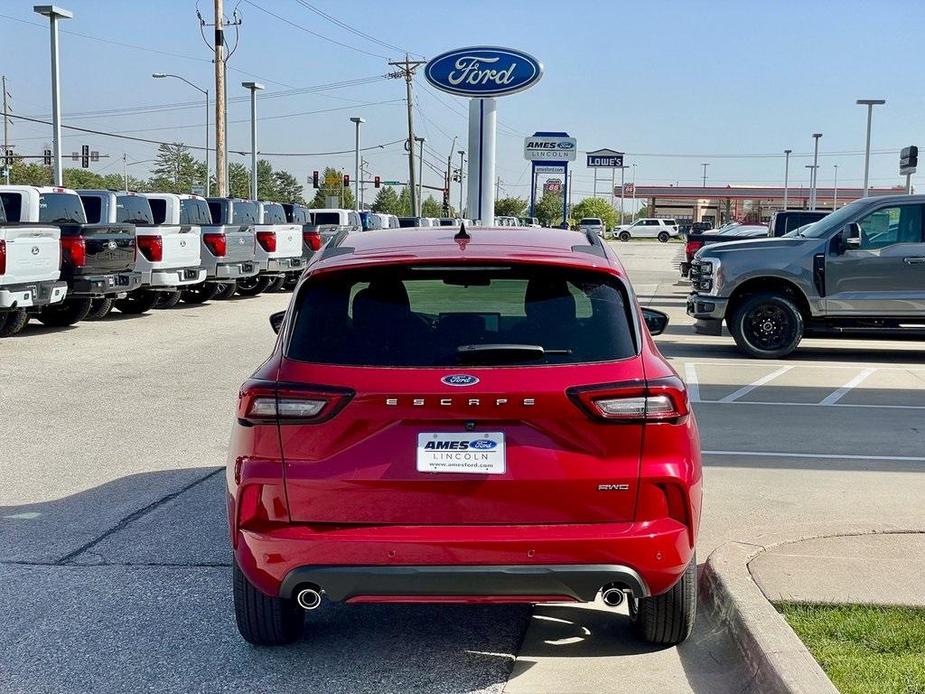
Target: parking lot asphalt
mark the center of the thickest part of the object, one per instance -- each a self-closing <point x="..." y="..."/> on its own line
<point x="114" y="565"/>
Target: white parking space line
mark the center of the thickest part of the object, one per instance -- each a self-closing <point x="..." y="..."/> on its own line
<point x="826" y="456"/>
<point x="833" y="398"/>
<point x="812" y="404"/>
<point x="693" y="385"/>
<point x="745" y="390"/>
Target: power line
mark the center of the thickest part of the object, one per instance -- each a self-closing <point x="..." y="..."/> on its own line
<point x="351" y="29"/>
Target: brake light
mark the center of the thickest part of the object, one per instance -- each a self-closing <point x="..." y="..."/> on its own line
<point x="312" y="240"/>
<point x="662" y="400"/>
<point x="216" y="243"/>
<point x="151" y="247"/>
<point x="692" y="247"/>
<point x="2" y="257"/>
<point x="74" y="251"/>
<point x="261" y="403"/>
<point x="267" y="240"/>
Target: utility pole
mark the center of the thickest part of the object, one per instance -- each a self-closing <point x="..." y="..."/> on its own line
<point x="704" y="165"/>
<point x="6" y="135"/>
<point x="125" y="170"/>
<point x="835" y="196"/>
<point x="406" y="70"/>
<point x="221" y="151"/>
<point x="462" y="153"/>
<point x="498" y="188"/>
<point x="786" y="174"/>
<point x="812" y="192"/>
<point x="449" y="180"/>
<point x="420" y="207"/>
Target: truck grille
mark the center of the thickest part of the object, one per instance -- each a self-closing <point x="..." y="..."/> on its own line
<point x="698" y="279"/>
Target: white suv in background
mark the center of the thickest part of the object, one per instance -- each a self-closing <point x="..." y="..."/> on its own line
<point x="649" y="228"/>
<point x="595" y="224"/>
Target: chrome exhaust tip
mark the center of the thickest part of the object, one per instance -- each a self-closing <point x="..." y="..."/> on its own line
<point x="613" y="597"/>
<point x="308" y="598"/>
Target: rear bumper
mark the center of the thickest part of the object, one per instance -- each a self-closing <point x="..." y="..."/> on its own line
<point x="106" y="284"/>
<point x="233" y="271"/>
<point x="280" y="265"/>
<point x="32" y="294"/>
<point x="506" y="563"/>
<point x="175" y="277"/>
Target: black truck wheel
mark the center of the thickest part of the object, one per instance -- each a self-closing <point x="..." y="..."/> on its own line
<point x="99" y="309"/>
<point x="264" y="620"/>
<point x="226" y="290"/>
<point x="276" y="285"/>
<point x="167" y="299"/>
<point x="767" y="326"/>
<point x="292" y="279"/>
<point x="12" y="322"/>
<point x="137" y="302"/>
<point x="252" y="286"/>
<point x="200" y="293"/>
<point x="663" y="236"/>
<point x="65" y="312"/>
<point x="668" y="618"/>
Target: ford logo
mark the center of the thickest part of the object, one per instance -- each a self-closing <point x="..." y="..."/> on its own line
<point x="566" y="145"/>
<point x="483" y="71"/>
<point x="35" y="250"/>
<point x="482" y="444"/>
<point x="112" y="245"/>
<point x="459" y="380"/>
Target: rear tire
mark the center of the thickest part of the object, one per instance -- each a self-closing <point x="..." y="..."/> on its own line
<point x="99" y="309"/>
<point x="226" y="290"/>
<point x="12" y="322"/>
<point x="252" y="286"/>
<point x="624" y="236"/>
<point x="292" y="279"/>
<point x="137" y="302"/>
<point x="668" y="618"/>
<point x="199" y="293"/>
<point x="767" y="326"/>
<point x="65" y="313"/>
<point x="663" y="236"/>
<point x="167" y="300"/>
<point x="276" y="285"/>
<point x="264" y="620"/>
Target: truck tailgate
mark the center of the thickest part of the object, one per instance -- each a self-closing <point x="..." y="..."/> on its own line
<point x="288" y="239"/>
<point x="239" y="241"/>
<point x="33" y="253"/>
<point x="110" y="247"/>
<point x="180" y="245"/>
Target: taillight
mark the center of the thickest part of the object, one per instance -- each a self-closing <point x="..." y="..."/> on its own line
<point x="74" y="251"/>
<point x="217" y="243"/>
<point x="267" y="240"/>
<point x="692" y="247"/>
<point x="312" y="240"/>
<point x="662" y="400"/>
<point x="2" y="257"/>
<point x="261" y="403"/>
<point x="151" y="247"/>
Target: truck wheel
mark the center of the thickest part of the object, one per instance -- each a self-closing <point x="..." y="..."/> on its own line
<point x="99" y="309"/>
<point x="65" y="313"/>
<point x="264" y="620"/>
<point x="276" y="285"/>
<point x="13" y="322"/>
<point x="767" y="326"/>
<point x="137" y="302"/>
<point x="167" y="300"/>
<point x="624" y="236"/>
<point x="292" y="279"/>
<point x="200" y="293"/>
<point x="668" y="618"/>
<point x="226" y="290"/>
<point x="663" y="236"/>
<point x="252" y="286"/>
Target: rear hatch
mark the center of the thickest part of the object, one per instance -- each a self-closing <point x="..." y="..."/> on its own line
<point x="179" y="245"/>
<point x="109" y="247"/>
<point x="33" y="253"/>
<point x="448" y="396"/>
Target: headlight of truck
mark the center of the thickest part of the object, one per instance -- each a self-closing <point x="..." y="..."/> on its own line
<point x="711" y="276"/>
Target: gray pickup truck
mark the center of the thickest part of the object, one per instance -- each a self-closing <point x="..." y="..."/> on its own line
<point x="859" y="271"/>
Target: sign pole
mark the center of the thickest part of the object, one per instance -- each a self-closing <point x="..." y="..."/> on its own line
<point x="622" y="191"/>
<point x="595" y="183"/>
<point x="613" y="182"/>
<point x="475" y="161"/>
<point x="485" y="175"/>
<point x="532" y="189"/>
<point x="566" y="195"/>
<point x="908" y="184"/>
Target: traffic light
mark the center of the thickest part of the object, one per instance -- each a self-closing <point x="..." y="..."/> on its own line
<point x="8" y="159"/>
<point x="346" y="180"/>
<point x="376" y="181"/>
<point x="85" y="156"/>
<point x="314" y="179"/>
<point x="46" y="157"/>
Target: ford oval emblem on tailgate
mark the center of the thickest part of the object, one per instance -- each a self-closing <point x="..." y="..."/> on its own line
<point x="35" y="250"/>
<point x="459" y="380"/>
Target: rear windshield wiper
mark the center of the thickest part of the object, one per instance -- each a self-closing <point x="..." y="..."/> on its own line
<point x="505" y="352"/>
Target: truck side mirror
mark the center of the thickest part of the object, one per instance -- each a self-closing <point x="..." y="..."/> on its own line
<point x="656" y="321"/>
<point x="853" y="236"/>
<point x="276" y="320"/>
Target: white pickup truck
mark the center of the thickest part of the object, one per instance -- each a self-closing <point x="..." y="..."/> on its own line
<point x="278" y="251"/>
<point x="30" y="271"/>
<point x="168" y="252"/>
<point x="228" y="248"/>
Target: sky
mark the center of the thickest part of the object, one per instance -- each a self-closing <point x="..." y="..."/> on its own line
<point x="672" y="83"/>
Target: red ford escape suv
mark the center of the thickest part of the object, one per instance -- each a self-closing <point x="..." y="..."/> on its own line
<point x="464" y="417"/>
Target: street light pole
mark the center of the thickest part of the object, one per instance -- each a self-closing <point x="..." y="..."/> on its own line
<point x="870" y="103"/>
<point x="786" y="175"/>
<point x="55" y="13"/>
<point x="356" y="163"/>
<point x="634" y="190"/>
<point x="622" y="191"/>
<point x="812" y="186"/>
<point x="254" y="87"/>
<point x="420" y="200"/>
<point x="461" y="154"/>
<point x="704" y="165"/>
<point x="812" y="192"/>
<point x="204" y="92"/>
<point x="835" y="195"/>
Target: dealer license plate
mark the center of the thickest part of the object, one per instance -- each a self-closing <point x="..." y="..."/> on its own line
<point x="479" y="453"/>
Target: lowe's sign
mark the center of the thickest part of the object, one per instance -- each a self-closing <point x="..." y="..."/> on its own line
<point x="605" y="159"/>
<point x="483" y="71"/>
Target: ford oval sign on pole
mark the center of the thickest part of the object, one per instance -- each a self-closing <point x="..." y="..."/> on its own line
<point x="483" y="73"/>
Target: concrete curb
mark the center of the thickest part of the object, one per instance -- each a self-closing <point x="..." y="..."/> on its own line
<point x="772" y="651"/>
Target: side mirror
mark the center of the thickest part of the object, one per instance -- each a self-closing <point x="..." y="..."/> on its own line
<point x="276" y="320"/>
<point x="853" y="236"/>
<point x="656" y="321"/>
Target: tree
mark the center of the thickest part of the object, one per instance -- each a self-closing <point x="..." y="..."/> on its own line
<point x="239" y="180"/>
<point x="404" y="203"/>
<point x="595" y="207"/>
<point x="387" y="201"/>
<point x="33" y="174"/>
<point x="176" y="170"/>
<point x="431" y="208"/>
<point x="336" y="191"/>
<point x="286" y="188"/>
<point x="510" y="207"/>
<point x="549" y="209"/>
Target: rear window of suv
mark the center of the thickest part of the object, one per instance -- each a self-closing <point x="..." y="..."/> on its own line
<point x="458" y="316"/>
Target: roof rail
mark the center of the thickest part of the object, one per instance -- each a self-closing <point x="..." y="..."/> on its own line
<point x="595" y="245"/>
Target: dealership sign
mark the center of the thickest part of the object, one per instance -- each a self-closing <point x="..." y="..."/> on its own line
<point x="605" y="159"/>
<point x="483" y="71"/>
<point x="550" y="148"/>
